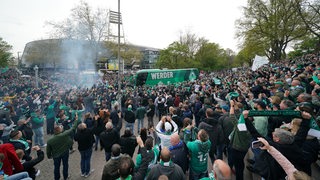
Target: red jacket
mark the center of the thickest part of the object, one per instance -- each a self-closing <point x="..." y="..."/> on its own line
<point x="11" y="159"/>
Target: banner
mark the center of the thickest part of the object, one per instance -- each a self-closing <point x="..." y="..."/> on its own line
<point x="259" y="61"/>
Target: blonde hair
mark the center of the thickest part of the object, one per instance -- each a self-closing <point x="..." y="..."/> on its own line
<point x="300" y="175"/>
<point x="20" y="153"/>
<point x="295" y="125"/>
<point x="275" y="99"/>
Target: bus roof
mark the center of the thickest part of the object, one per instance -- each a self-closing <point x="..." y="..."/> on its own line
<point x="159" y="70"/>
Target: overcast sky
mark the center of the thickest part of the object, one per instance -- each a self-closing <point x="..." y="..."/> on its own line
<point x="153" y="23"/>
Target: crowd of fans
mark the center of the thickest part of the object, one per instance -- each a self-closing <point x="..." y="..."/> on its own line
<point x="216" y="117"/>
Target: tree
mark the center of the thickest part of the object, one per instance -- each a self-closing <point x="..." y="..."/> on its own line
<point x="86" y="23"/>
<point x="309" y="12"/>
<point x="272" y="24"/>
<point x="212" y="57"/>
<point x="307" y="45"/>
<point x="127" y="52"/>
<point x="181" y="53"/>
<point x="83" y="24"/>
<point x="5" y="54"/>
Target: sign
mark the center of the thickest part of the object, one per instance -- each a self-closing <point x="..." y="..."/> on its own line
<point x="259" y="61"/>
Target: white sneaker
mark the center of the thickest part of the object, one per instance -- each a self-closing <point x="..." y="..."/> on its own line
<point x="45" y="145"/>
<point x="87" y="175"/>
<point x="38" y="172"/>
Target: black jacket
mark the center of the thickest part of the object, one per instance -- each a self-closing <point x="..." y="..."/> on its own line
<point x="173" y="171"/>
<point x="179" y="155"/>
<point x="293" y="152"/>
<point x="84" y="138"/>
<point x="214" y="129"/>
<point x="108" y="138"/>
<point x="129" y="117"/>
<point x="29" y="165"/>
<point x="128" y="144"/>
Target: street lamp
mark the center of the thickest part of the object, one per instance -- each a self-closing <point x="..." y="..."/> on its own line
<point x="119" y="77"/>
<point x="36" y="73"/>
<point x="119" y="81"/>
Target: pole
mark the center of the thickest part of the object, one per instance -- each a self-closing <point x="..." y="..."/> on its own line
<point x="36" y="73"/>
<point x="119" y="64"/>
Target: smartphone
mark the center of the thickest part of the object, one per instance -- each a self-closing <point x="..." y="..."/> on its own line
<point x="256" y="144"/>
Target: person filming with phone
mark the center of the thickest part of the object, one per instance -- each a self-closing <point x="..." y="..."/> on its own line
<point x="291" y="172"/>
<point x="286" y="143"/>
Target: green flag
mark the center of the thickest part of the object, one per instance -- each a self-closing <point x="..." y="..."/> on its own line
<point x="241" y="123"/>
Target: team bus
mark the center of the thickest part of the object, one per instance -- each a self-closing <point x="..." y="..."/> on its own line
<point x="153" y="77"/>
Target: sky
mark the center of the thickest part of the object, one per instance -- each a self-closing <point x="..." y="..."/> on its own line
<point x="151" y="23"/>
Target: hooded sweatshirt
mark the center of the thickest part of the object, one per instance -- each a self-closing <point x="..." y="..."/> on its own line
<point x="170" y="169"/>
<point x="215" y="131"/>
<point x="199" y="155"/>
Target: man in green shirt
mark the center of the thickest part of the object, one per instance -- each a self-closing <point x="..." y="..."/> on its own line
<point x="58" y="148"/>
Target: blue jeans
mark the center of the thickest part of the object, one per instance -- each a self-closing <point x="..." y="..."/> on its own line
<point x="57" y="162"/>
<point x="131" y="126"/>
<point x="19" y="176"/>
<point x="5" y="139"/>
<point x="85" y="161"/>
<point x="140" y="124"/>
<point x="195" y="176"/>
<point x="97" y="142"/>
<point x="38" y="136"/>
<point x="108" y="155"/>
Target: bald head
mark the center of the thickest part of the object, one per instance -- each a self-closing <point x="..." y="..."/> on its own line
<point x="295" y="82"/>
<point x="82" y="126"/>
<point x="221" y="170"/>
<point x="109" y="125"/>
<point x="165" y="154"/>
<point x="174" y="139"/>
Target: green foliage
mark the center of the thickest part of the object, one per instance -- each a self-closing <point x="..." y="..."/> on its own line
<point x="127" y="52"/>
<point x="309" y="12"/>
<point x="307" y="45"/>
<point x="270" y="25"/>
<point x="175" y="56"/>
<point x="191" y="51"/>
<point x="5" y="54"/>
<point x="212" y="57"/>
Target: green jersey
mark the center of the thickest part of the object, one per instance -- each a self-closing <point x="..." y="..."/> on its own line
<point x="199" y="152"/>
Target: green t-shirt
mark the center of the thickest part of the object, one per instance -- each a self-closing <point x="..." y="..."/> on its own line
<point x="127" y="178"/>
